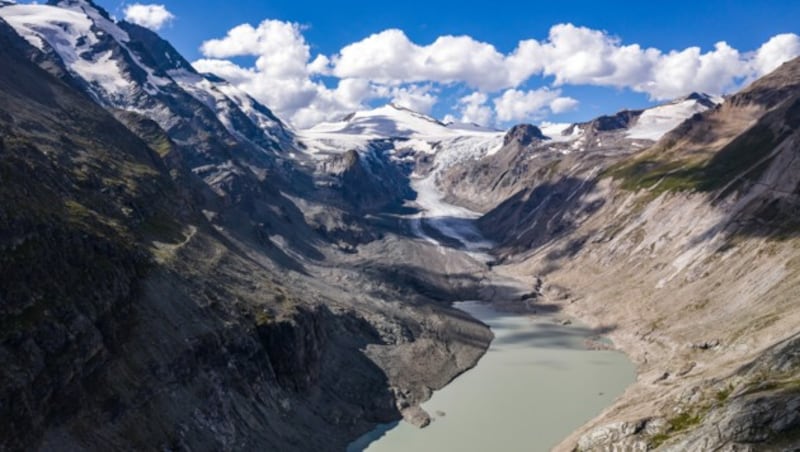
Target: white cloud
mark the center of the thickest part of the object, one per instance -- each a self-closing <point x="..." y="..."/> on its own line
<point x="320" y="65"/>
<point x="515" y="105"/>
<point x="390" y="57"/>
<point x="281" y="75"/>
<point x="225" y="69"/>
<point x="773" y="53"/>
<point x="280" y="47"/>
<point x="415" y="97"/>
<point x="572" y="55"/>
<point x="388" y="65"/>
<point x="563" y="105"/>
<point x="153" y="17"/>
<point x="474" y="109"/>
<point x="679" y="73"/>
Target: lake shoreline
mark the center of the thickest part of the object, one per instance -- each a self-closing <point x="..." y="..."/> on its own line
<point x="518" y="335"/>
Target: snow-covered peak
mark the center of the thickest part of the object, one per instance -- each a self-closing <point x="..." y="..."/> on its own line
<point x="229" y="102"/>
<point x="655" y="122"/>
<point x="96" y="14"/>
<point x="389" y="121"/>
<point x="392" y="121"/>
<point x="124" y="66"/>
<point x="404" y="134"/>
<point x="79" y="40"/>
<point x="78" y="5"/>
<point x="707" y="99"/>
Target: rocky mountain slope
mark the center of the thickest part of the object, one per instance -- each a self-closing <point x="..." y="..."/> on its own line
<point x="182" y="270"/>
<point x="687" y="250"/>
<point x="161" y="286"/>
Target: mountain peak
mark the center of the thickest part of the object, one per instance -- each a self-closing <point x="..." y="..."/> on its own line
<point x="388" y="121"/>
<point x="414" y="113"/>
<point x="523" y="134"/>
<point x="704" y="99"/>
<point x="655" y="122"/>
<point x="470" y="127"/>
<point x="86" y="6"/>
<point x="773" y="88"/>
<point x="697" y="96"/>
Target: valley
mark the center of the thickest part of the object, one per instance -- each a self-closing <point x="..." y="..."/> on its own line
<point x="183" y="270"/>
<point x="540" y="377"/>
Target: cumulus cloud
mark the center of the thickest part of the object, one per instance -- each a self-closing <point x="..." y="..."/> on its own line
<point x="516" y="105"/>
<point x="280" y="47"/>
<point x="563" y="105"/>
<point x="474" y="109"/>
<point x="572" y="55"/>
<point x="153" y="16"/>
<point x="390" y="66"/>
<point x="773" y="53"/>
<point x="390" y="57"/>
<point x="281" y="76"/>
<point x="415" y="97"/>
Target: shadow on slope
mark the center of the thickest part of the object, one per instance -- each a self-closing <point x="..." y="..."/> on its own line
<point x="537" y="216"/>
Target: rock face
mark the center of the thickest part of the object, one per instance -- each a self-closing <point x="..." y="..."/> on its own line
<point x="523" y="135"/>
<point x="362" y="183"/>
<point x="621" y="120"/>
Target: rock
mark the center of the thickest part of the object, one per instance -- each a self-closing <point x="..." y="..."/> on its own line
<point x="621" y="120"/>
<point x="662" y="377"/>
<point x="616" y="436"/>
<point x="707" y="345"/>
<point x="687" y="368"/>
<point x="535" y="293"/>
<point x="523" y="134"/>
<point x="416" y="416"/>
<point x="597" y="344"/>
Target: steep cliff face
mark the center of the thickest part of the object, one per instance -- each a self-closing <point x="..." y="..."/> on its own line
<point x="74" y="205"/>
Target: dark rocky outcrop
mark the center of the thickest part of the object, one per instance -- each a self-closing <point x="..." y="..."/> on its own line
<point x="621" y="120"/>
<point x="295" y="346"/>
<point x="523" y="135"/>
<point x="365" y="182"/>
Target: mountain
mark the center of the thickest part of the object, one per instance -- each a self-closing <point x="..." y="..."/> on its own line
<point x="390" y="121"/>
<point x="655" y="122"/>
<point x="128" y="67"/>
<point x="520" y="163"/>
<point x="677" y="224"/>
<point x="394" y="145"/>
<point x="182" y="270"/>
<point x="168" y="282"/>
<point x="407" y="130"/>
<point x="687" y="247"/>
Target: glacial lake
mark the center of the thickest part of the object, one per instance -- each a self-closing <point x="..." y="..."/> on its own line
<point x="536" y="384"/>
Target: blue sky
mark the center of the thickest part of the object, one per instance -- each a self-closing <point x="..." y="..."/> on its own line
<point x="328" y="27"/>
